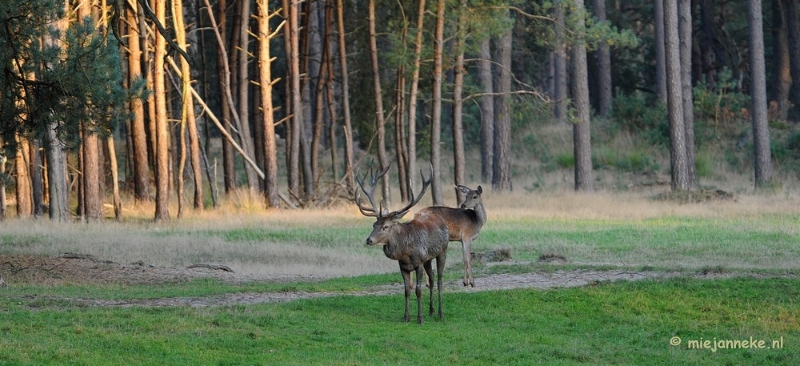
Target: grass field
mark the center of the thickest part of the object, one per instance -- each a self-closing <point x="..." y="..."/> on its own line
<point x="754" y="245"/>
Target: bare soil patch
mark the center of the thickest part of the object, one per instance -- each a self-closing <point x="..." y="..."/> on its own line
<point x="86" y="270"/>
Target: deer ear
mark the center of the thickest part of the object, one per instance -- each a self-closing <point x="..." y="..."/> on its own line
<point x="480" y="190"/>
<point x="463" y="189"/>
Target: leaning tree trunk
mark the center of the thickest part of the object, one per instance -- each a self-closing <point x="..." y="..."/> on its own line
<point x="677" y="135"/>
<point x="581" y="128"/>
<point x="758" y="96"/>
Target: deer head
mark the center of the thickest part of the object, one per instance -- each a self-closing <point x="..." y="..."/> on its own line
<point x="472" y="198"/>
<point x="383" y="228"/>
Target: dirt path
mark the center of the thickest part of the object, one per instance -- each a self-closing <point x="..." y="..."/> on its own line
<point x="76" y="269"/>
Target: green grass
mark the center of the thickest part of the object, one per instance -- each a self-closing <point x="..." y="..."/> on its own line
<point x="609" y="323"/>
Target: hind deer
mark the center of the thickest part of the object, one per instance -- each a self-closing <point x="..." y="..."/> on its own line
<point x="463" y="224"/>
<point x="412" y="244"/>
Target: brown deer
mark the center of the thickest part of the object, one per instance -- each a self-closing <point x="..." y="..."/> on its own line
<point x="463" y="223"/>
<point x="412" y="244"/>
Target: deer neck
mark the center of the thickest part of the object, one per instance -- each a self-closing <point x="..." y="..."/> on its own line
<point x="480" y="214"/>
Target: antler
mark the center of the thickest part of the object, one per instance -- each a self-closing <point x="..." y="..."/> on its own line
<point x="414" y="200"/>
<point x="374" y="211"/>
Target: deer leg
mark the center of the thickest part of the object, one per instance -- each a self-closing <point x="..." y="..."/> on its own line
<point x="429" y="275"/>
<point x="418" y="292"/>
<point x="440" y="259"/>
<point x="465" y="249"/>
<point x="407" y="287"/>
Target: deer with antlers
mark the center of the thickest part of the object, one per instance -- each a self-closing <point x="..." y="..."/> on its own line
<point x="412" y="244"/>
<point x="463" y="224"/>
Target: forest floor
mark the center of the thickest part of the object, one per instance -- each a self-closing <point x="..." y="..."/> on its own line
<point x="73" y="269"/>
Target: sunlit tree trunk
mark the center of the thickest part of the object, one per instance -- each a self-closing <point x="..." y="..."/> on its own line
<point x="23" y="182"/>
<point x="162" y="132"/>
<point x="265" y="84"/>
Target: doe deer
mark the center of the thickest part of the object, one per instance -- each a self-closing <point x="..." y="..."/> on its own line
<point x="463" y="224"/>
<point x="413" y="244"/>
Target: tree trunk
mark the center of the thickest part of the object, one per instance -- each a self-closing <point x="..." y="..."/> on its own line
<point x="677" y="135"/>
<point x="581" y="128"/>
<point x="91" y="160"/>
<point x="412" y="98"/>
<point x="379" y="120"/>
<point x="348" y="129"/>
<point x="3" y="204"/>
<point x="436" y="117"/>
<point x="141" y="169"/>
<point x="23" y="182"/>
<point x="659" y="37"/>
<point x="487" y="111"/>
<point x="297" y="106"/>
<point x="793" y="25"/>
<point x="605" y="91"/>
<point x="685" y="30"/>
<point x="246" y="136"/>
<point x="265" y="81"/>
<point x="783" y="74"/>
<point x="228" y="166"/>
<point x="502" y="131"/>
<point x="560" y="83"/>
<point x="37" y="184"/>
<point x="758" y="96"/>
<point x="458" y="104"/>
<point x="57" y="176"/>
<point x="399" y="130"/>
<point x="162" y="132"/>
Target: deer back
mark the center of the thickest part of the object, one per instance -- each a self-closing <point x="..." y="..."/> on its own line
<point x="461" y="223"/>
<point x="414" y="242"/>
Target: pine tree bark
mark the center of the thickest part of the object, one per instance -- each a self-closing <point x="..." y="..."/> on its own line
<point x="265" y="82"/>
<point x="677" y="135"/>
<point x="560" y="61"/>
<point x="56" y="176"/>
<point x="502" y="131"/>
<point x="141" y="168"/>
<point x="37" y="184"/>
<point x="228" y="167"/>
<point x="758" y="97"/>
<point x="23" y="182"/>
<point x="161" y="123"/>
<point x="685" y="30"/>
<point x="581" y="128"/>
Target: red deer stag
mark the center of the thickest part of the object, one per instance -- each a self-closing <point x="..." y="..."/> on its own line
<point x="412" y="244"/>
<point x="463" y="223"/>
